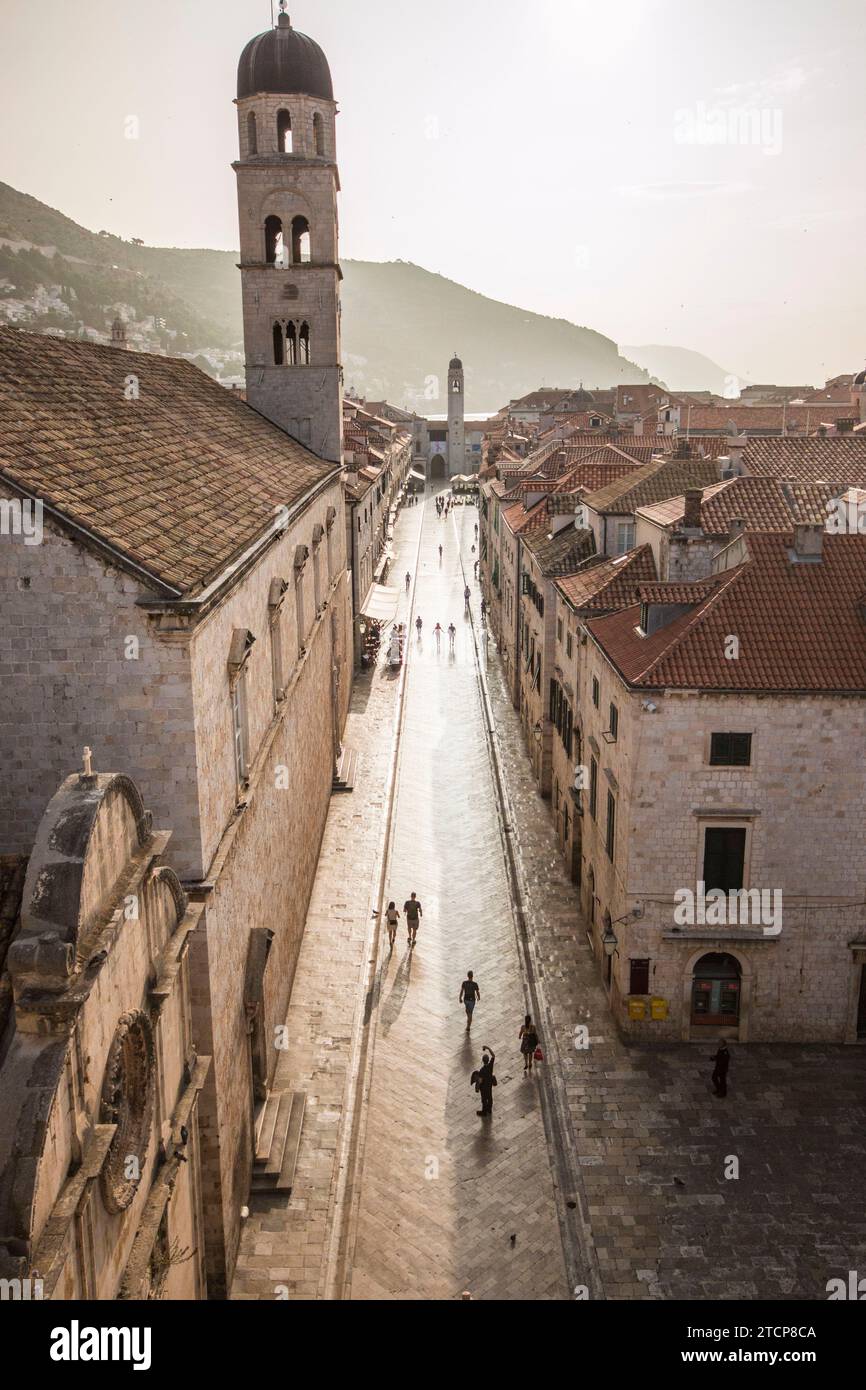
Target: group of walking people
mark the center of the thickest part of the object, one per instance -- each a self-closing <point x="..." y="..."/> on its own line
<point x="443" y="506"/>
<point x="413" y="913"/>
<point x="484" y="1077"/>
<point x="437" y="633"/>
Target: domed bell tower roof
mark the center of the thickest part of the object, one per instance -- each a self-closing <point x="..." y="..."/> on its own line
<point x="284" y="61"/>
<point x="455" y="365"/>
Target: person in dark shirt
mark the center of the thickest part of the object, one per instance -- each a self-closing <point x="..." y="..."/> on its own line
<point x="412" y="909"/>
<point x="469" y="996"/>
<point x="486" y="1082"/>
<point x="722" y="1061"/>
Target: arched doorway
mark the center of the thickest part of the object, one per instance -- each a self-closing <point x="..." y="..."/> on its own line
<point x="438" y="467"/>
<point x="716" y="981"/>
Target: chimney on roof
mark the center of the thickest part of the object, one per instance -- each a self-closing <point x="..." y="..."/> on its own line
<point x="692" y="511"/>
<point x="683" y="449"/>
<point x="808" y="543"/>
<point x="736" y="527"/>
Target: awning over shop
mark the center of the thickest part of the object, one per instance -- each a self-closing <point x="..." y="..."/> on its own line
<point x="416" y="473"/>
<point x="380" y="603"/>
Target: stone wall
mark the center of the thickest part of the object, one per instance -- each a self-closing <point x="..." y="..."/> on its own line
<point x="802" y="803"/>
<point x="79" y="664"/>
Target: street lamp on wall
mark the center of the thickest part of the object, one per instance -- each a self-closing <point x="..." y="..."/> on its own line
<point x="537" y="731"/>
<point x="609" y="940"/>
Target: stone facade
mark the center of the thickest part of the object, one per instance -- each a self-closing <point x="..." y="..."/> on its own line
<point x="146" y="684"/>
<point x="100" y="1155"/>
<point x="802" y="984"/>
<point x="287" y="287"/>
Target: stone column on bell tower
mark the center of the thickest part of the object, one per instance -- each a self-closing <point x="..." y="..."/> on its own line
<point x="287" y="203"/>
<point x="456" y="429"/>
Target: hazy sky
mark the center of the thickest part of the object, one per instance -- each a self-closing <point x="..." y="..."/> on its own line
<point x="554" y="153"/>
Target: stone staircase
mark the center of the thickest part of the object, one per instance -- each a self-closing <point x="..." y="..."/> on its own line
<point x="344" y="776"/>
<point x="278" y="1137"/>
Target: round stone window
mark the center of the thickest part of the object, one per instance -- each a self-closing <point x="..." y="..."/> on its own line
<point x="127" y="1101"/>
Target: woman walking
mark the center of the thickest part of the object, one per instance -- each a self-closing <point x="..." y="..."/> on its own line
<point x="392" y="917"/>
<point x="528" y="1042"/>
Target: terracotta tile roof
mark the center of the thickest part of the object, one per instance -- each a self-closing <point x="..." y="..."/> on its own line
<point x="181" y="480"/>
<point x="559" y="554"/>
<point x="801" y="626"/>
<point x="540" y="400"/>
<point x="519" y="519"/>
<point x="591" y="476"/>
<point x="609" y="585"/>
<point x="838" y="458"/>
<point x="745" y="418"/>
<point x="638" y="399"/>
<point x="762" y="504"/>
<point x="653" y="482"/>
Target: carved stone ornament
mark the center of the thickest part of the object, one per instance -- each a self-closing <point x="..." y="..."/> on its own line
<point x="127" y="1101"/>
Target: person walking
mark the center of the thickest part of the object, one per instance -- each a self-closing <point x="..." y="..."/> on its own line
<point x="528" y="1042"/>
<point x="408" y="581"/>
<point x="437" y="633"/>
<point x="476" y="569"/>
<point x="412" y="909"/>
<point x="418" y="626"/>
<point x="392" y="917"/>
<point x="440" y="555"/>
<point x="476" y="530"/>
<point x="452" y="633"/>
<point x="470" y="995"/>
<point x="483" y="609"/>
<point x="722" y="1061"/>
<point x="484" y="1081"/>
<point x="467" y="594"/>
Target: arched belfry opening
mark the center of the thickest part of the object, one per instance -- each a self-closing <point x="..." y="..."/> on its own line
<point x="318" y="133"/>
<point x="275" y="251"/>
<point x="304" y="345"/>
<point x="300" y="241"/>
<point x="279" y="345"/>
<point x="284" y="132"/>
<point x="252" y="134"/>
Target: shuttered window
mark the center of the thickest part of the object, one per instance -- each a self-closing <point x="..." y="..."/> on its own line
<point x="724" y="857"/>
<point x="730" y="750"/>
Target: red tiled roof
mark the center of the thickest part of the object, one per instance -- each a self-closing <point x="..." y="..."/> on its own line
<point x="180" y="480"/>
<point x="653" y="482"/>
<point x="762" y="504"/>
<point x="605" y="587"/>
<point x="800" y="625"/>
<point x="745" y="418"/>
<point x="838" y="458"/>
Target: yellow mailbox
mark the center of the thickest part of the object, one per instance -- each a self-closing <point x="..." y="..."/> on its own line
<point x="658" y="1008"/>
<point x="636" y="1008"/>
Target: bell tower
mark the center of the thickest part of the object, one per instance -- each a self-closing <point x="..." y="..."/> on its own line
<point x="287" y="204"/>
<point x="456" y="431"/>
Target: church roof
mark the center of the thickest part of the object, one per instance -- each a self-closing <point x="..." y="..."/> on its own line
<point x="180" y="478"/>
<point x="283" y="60"/>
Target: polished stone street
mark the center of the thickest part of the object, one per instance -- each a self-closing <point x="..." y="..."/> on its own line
<point x="604" y="1174"/>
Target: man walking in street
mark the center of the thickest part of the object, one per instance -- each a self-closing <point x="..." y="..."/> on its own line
<point x="722" y="1061"/>
<point x="452" y="633"/>
<point x="485" y="1081"/>
<point x="408" y="581"/>
<point x="470" y="995"/>
<point x="418" y="626"/>
<point x="437" y="633"/>
<point x="412" y="909"/>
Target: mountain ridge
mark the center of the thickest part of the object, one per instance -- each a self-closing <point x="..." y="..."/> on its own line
<point x="400" y="322"/>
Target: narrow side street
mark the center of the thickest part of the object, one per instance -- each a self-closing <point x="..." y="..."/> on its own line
<point x="612" y="1165"/>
